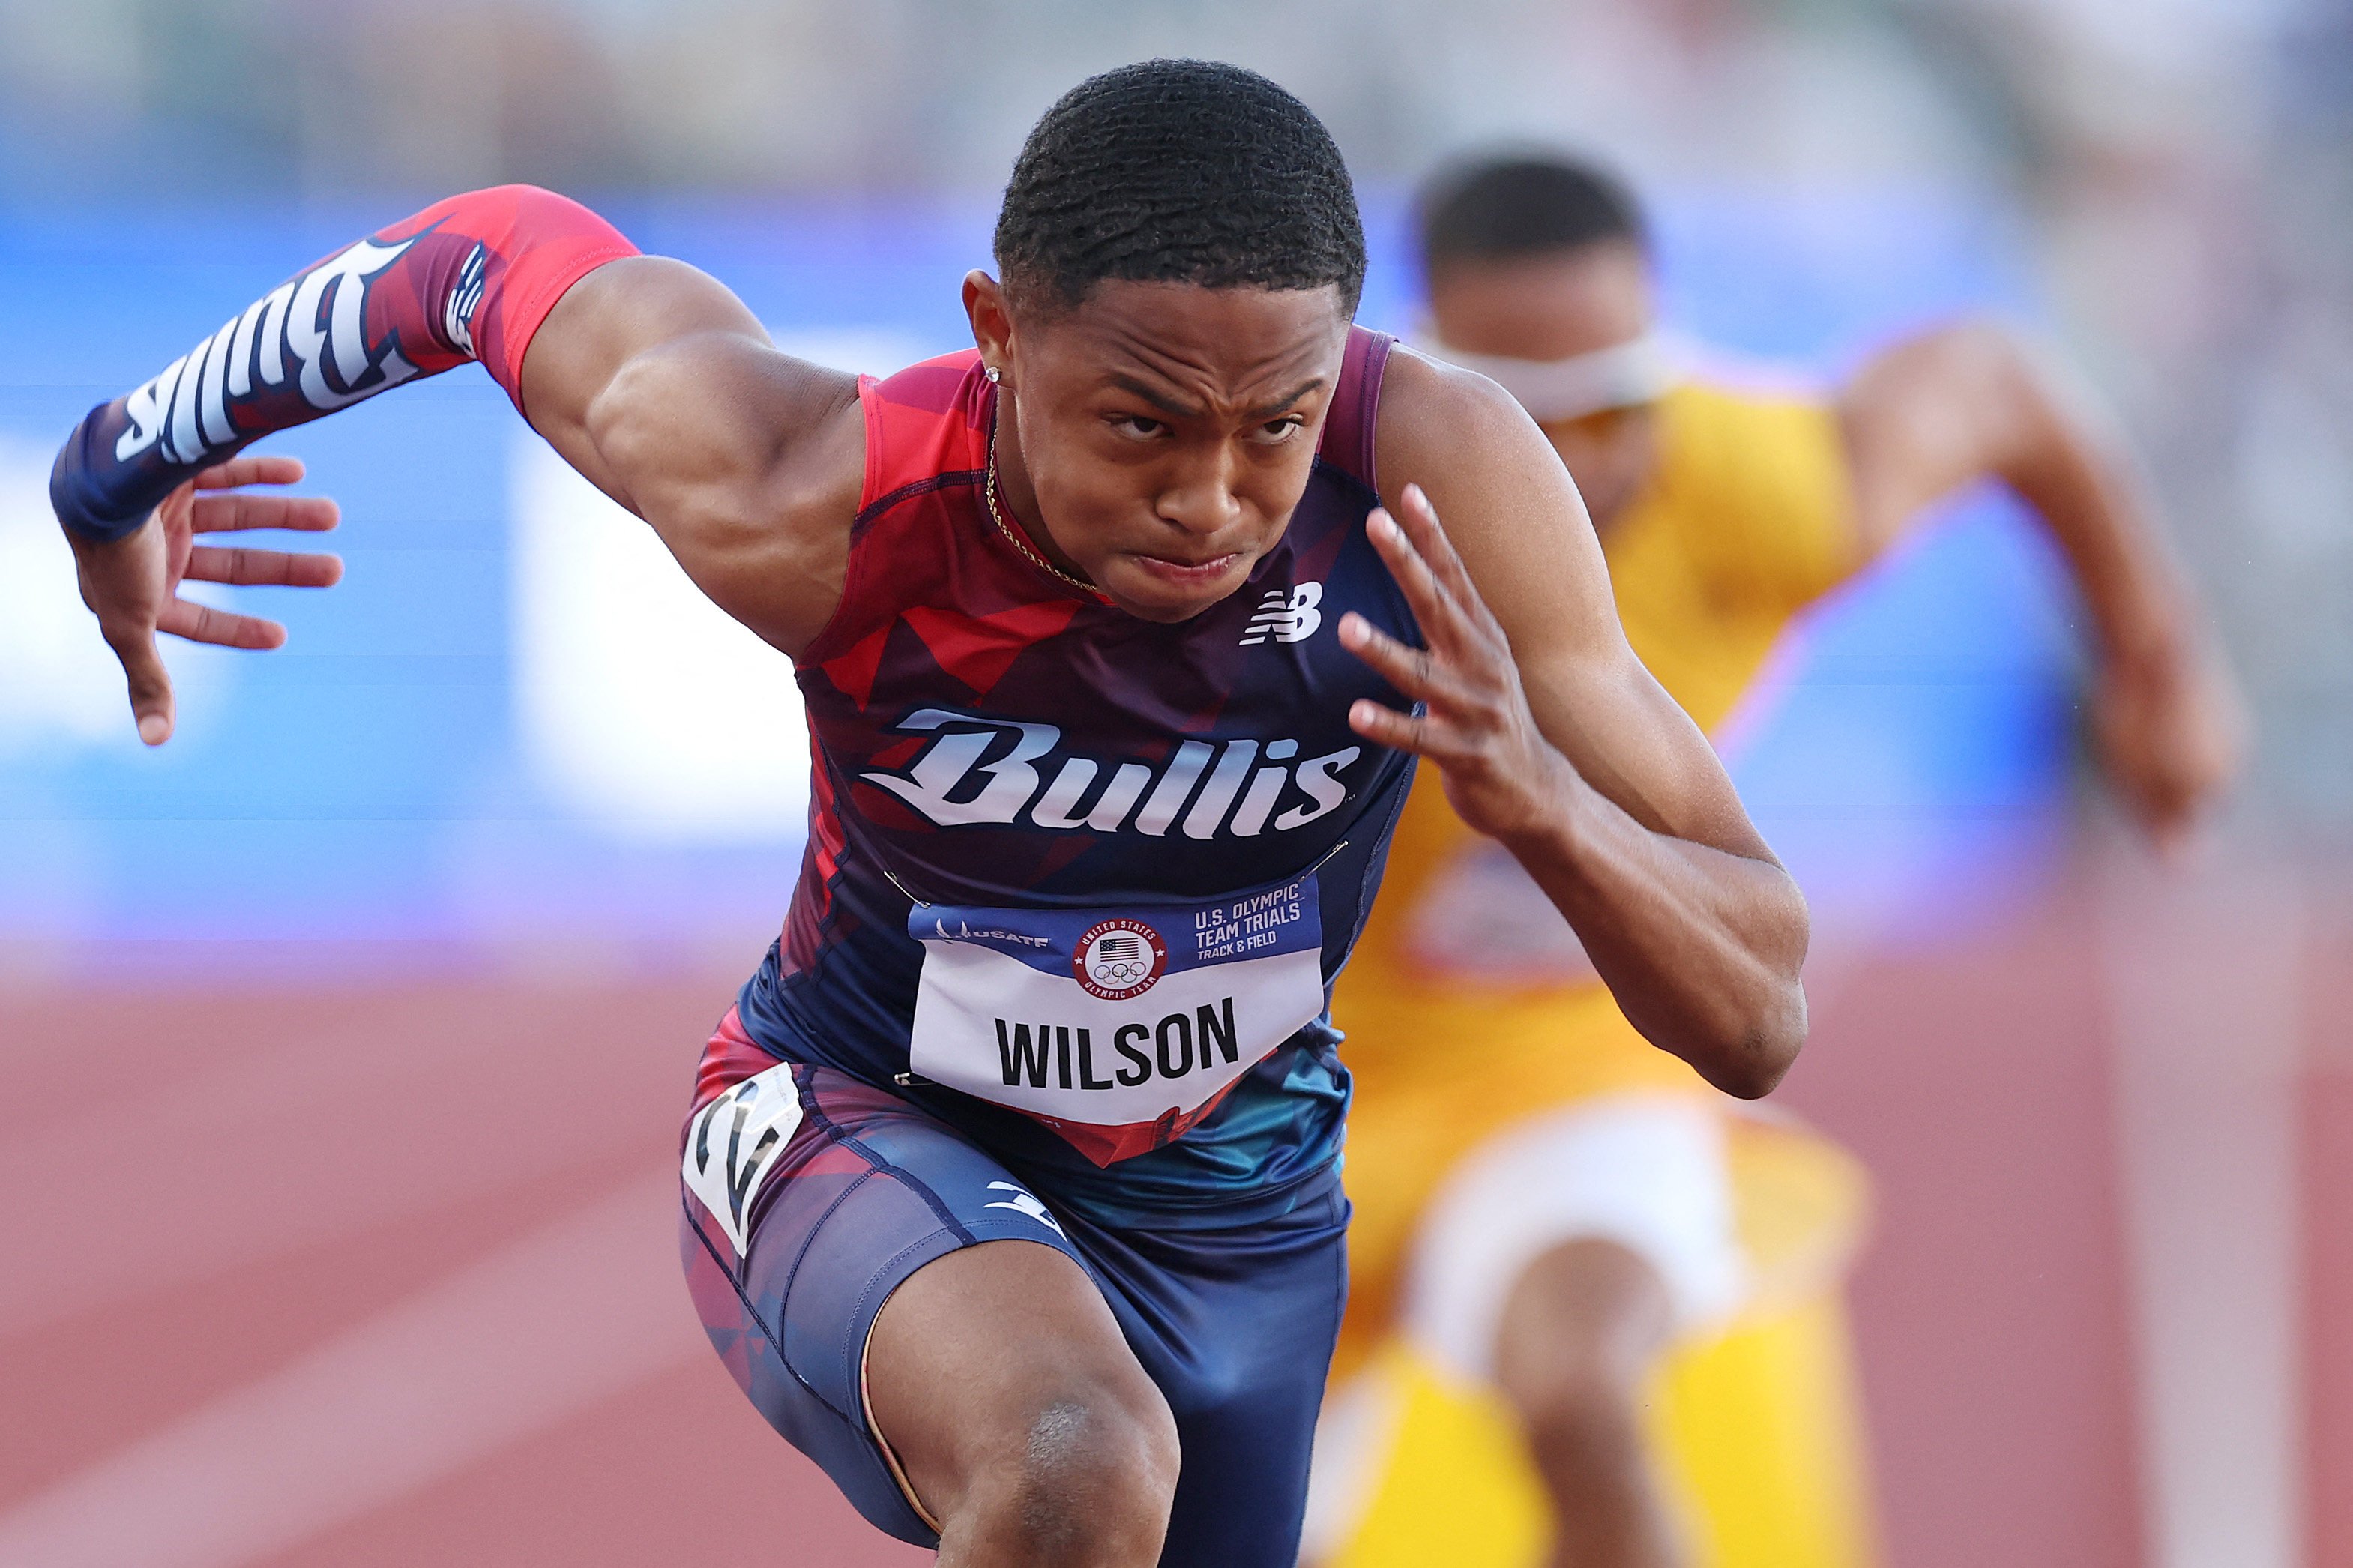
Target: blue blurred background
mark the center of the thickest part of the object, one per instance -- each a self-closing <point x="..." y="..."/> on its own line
<point x="478" y="736"/>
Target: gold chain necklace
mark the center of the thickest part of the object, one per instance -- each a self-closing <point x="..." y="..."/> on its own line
<point x="1013" y="535"/>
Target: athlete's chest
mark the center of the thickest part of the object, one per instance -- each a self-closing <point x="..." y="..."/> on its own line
<point x="1000" y="732"/>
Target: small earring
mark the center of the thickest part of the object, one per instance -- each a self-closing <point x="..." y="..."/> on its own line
<point x="994" y="375"/>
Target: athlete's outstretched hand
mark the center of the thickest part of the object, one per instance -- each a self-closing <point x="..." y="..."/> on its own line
<point x="132" y="585"/>
<point x="1500" y="773"/>
<point x="2170" y="730"/>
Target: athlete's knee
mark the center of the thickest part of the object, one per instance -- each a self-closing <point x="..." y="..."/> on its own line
<point x="1024" y="1424"/>
<point x="1581" y="1330"/>
<point x="1086" y="1478"/>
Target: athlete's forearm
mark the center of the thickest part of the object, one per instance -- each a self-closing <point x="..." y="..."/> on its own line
<point x="1962" y="404"/>
<point x="469" y="279"/>
<point x="2090" y="499"/>
<point x="1700" y="946"/>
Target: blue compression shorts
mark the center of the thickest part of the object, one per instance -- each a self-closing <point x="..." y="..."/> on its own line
<point x="840" y="1190"/>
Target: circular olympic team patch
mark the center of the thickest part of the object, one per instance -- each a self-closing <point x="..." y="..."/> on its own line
<point x="1117" y="959"/>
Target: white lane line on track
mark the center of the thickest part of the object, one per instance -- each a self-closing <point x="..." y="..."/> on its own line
<point x="2205" y="974"/>
<point x="570" y="1314"/>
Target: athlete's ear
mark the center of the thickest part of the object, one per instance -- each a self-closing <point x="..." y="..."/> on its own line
<point x="992" y="320"/>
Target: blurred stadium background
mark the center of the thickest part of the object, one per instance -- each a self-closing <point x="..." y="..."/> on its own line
<point x="317" y="1025"/>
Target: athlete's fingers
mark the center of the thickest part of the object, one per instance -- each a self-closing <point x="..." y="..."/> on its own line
<point x="224" y="628"/>
<point x="265" y="469"/>
<point x="235" y="512"/>
<point x="1430" y="540"/>
<point x="266" y="568"/>
<point x="1417" y="551"/>
<point x="1462" y="630"/>
<point x="1414" y="671"/>
<point x="1386" y="725"/>
<point x="148" y="682"/>
<point x="1442" y="620"/>
<point x="1423" y="734"/>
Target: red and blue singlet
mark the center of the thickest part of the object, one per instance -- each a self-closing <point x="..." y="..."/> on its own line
<point x="1077" y="882"/>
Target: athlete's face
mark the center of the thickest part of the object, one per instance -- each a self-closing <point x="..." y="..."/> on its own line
<point x="1158" y="434"/>
<point x="1553" y="306"/>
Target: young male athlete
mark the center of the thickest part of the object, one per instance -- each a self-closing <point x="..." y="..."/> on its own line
<point x="1011" y="1188"/>
<point x="1547" y="1207"/>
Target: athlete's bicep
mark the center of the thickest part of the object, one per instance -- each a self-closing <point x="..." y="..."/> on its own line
<point x="659" y="385"/>
<point x="593" y="377"/>
<point x="1514" y="515"/>
<point x="1933" y="412"/>
<point x="1629" y="739"/>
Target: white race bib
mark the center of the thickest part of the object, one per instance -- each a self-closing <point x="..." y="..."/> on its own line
<point x="1115" y="1026"/>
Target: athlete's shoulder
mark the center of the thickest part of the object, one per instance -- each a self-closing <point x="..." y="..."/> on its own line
<point x="1352" y="419"/>
<point x="1438" y="419"/>
<point x="1739" y="433"/>
<point x="1752" y="480"/>
<point x="926" y="424"/>
<point x="1507" y="504"/>
<point x="656" y="381"/>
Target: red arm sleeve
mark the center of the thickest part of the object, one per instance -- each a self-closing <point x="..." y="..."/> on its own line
<point x="468" y="279"/>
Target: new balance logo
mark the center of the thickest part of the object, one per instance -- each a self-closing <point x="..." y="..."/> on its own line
<point x="458" y="313"/>
<point x="1292" y="617"/>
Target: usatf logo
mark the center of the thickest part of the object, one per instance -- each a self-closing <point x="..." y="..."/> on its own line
<point x="964" y="932"/>
<point x="1117" y="959"/>
<point x="1292" y="617"/>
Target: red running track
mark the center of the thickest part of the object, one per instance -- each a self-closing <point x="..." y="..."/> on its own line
<point x="369" y="1277"/>
<point x="385" y="1275"/>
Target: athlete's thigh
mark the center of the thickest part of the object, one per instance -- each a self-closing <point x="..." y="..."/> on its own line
<point x="811" y="1199"/>
<point x="1622" y="1197"/>
<point x="1236" y="1327"/>
<point x="1586" y="1315"/>
<point x="998" y="1370"/>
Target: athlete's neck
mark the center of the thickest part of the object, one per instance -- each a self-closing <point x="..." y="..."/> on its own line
<point x="1018" y="497"/>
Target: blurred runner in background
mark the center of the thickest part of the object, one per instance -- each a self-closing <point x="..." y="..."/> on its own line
<point x="1590" y="1306"/>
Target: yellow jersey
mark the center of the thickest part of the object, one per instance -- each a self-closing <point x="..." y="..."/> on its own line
<point x="1469" y="1004"/>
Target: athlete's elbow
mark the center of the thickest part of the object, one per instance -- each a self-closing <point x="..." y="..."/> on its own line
<point x="534" y="208"/>
<point x="1751" y="1063"/>
<point x="1742" y="1040"/>
<point x="1752" y="1035"/>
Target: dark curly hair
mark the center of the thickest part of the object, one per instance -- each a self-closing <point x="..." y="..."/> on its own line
<point x="1502" y="205"/>
<point x="1179" y="171"/>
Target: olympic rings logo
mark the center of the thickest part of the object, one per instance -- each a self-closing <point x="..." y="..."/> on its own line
<point x="1115" y="959"/>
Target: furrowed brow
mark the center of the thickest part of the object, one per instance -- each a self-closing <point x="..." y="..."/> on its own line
<point x="1269" y="410"/>
<point x="1177" y="410"/>
<point x="1161" y="401"/>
